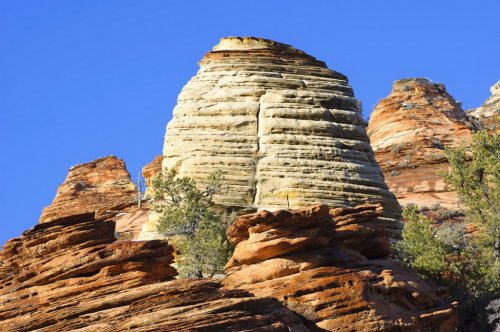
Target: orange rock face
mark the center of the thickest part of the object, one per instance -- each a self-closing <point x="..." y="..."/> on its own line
<point x="102" y="186"/>
<point x="71" y="274"/>
<point x="408" y="132"/>
<point x="98" y="186"/>
<point x="331" y="267"/>
<point x="150" y="171"/>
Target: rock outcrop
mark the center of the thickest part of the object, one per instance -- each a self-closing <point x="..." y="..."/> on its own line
<point x="286" y="130"/>
<point x="99" y="186"/>
<point x="488" y="114"/>
<point x="70" y="274"/>
<point x="409" y="130"/>
<point x="331" y="267"/>
<point x="149" y="172"/>
<point x="104" y="187"/>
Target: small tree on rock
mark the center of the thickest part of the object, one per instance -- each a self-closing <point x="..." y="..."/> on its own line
<point x="191" y="221"/>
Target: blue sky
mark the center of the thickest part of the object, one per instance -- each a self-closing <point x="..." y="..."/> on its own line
<point x="85" y="79"/>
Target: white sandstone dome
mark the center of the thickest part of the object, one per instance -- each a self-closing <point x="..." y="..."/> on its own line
<point x="286" y="131"/>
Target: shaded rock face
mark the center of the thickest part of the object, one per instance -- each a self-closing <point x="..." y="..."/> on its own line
<point x="98" y="186"/>
<point x="285" y="129"/>
<point x="331" y="267"/>
<point x="70" y="274"/>
<point x="488" y="114"/>
<point x="408" y="132"/>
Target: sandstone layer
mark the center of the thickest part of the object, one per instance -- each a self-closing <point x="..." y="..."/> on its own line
<point x="409" y="130"/>
<point x="286" y="131"/>
<point x="149" y="172"/>
<point x="331" y="267"/>
<point x="488" y="114"/>
<point x="99" y="186"/>
<point x="69" y="274"/>
<point x="104" y="187"/>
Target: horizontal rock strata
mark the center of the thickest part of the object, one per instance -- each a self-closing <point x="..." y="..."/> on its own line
<point x="409" y="130"/>
<point x="69" y="274"/>
<point x="331" y="267"/>
<point x="99" y="186"/>
<point x="286" y="130"/>
<point x="104" y="187"/>
<point x="488" y="114"/>
<point x="150" y="171"/>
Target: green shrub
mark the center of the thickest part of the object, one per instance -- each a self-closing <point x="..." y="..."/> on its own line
<point x="190" y="220"/>
<point x="468" y="264"/>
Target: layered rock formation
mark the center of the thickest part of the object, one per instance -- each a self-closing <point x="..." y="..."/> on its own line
<point x="330" y="266"/>
<point x="104" y="187"/>
<point x="99" y="186"/>
<point x="285" y="129"/>
<point x="408" y="131"/>
<point x="69" y="274"/>
<point x="149" y="172"/>
<point x="488" y="114"/>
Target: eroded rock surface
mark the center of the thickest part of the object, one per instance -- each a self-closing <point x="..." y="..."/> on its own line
<point x="331" y="266"/>
<point x="286" y="130"/>
<point x="104" y="187"/>
<point x="150" y="171"/>
<point x="409" y="130"/>
<point x="100" y="186"/>
<point x="69" y="274"/>
<point x="489" y="113"/>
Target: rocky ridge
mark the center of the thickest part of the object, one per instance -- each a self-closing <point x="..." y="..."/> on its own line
<point x="488" y="114"/>
<point x="332" y="267"/>
<point x="409" y="130"/>
<point x="70" y="274"/>
<point x="100" y="186"/>
<point x="104" y="187"/>
<point x="286" y="130"/>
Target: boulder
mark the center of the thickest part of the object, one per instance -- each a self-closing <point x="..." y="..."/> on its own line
<point x="332" y="266"/>
<point x="70" y="274"/>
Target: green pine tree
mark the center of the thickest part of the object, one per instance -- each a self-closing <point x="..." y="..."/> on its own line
<point x="190" y="220"/>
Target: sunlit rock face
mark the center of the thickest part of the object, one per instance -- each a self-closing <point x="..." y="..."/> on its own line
<point x="70" y="274"/>
<point x="333" y="267"/>
<point x="489" y="113"/>
<point x="98" y="186"/>
<point x="286" y="130"/>
<point x="409" y="130"/>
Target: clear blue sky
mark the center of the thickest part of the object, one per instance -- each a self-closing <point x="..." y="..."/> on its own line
<point x="90" y="78"/>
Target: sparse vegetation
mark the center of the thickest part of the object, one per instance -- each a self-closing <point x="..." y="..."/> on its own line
<point x="191" y="221"/>
<point x="435" y="206"/>
<point x="408" y="106"/>
<point x="448" y="214"/>
<point x="436" y="143"/>
<point x="396" y="149"/>
<point x="394" y="173"/>
<point x="467" y="263"/>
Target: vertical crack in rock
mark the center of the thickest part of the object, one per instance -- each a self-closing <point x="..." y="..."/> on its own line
<point x="256" y="189"/>
<point x="253" y="93"/>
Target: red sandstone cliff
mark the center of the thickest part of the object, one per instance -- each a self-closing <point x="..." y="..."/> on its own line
<point x="408" y="132"/>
